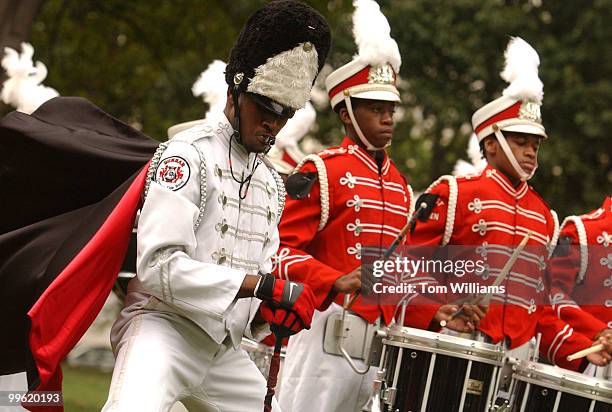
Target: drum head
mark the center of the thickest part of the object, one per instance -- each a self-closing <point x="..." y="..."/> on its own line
<point x="445" y="345"/>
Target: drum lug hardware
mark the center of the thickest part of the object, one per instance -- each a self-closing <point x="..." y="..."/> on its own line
<point x="376" y="385"/>
<point x="389" y="396"/>
<point x="500" y="408"/>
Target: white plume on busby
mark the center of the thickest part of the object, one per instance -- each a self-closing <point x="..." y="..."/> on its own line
<point x="287" y="77"/>
<point x="372" y="35"/>
<point x="521" y="71"/>
<point x="24" y="89"/>
<point x="211" y="86"/>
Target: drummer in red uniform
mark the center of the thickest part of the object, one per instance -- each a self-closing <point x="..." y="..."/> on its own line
<point x="342" y="199"/>
<point x="581" y="272"/>
<point x="493" y="211"/>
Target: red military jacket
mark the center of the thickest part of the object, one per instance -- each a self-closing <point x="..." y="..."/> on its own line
<point x="581" y="271"/>
<point x="351" y="205"/>
<point x="486" y="212"/>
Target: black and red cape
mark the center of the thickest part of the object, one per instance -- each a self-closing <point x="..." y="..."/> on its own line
<point x="71" y="179"/>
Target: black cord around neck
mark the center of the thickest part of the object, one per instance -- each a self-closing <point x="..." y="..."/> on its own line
<point x="243" y="182"/>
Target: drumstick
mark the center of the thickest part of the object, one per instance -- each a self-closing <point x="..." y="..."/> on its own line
<point x="508" y="266"/>
<point x="393" y="246"/>
<point x="585" y="352"/>
<point x="502" y="275"/>
<point x="352" y="300"/>
<point x="274" y="368"/>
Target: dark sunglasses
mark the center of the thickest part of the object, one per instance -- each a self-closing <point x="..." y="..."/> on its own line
<point x="272" y="106"/>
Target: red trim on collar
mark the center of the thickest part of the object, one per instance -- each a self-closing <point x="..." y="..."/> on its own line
<point x="347" y="141"/>
<point x="517" y="190"/>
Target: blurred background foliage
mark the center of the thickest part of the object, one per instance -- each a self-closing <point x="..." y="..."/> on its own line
<point x="138" y="59"/>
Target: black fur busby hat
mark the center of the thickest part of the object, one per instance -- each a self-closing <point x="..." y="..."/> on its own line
<point x="280" y="50"/>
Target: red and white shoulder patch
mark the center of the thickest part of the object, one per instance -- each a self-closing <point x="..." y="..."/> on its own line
<point x="172" y="173"/>
<point x="331" y="152"/>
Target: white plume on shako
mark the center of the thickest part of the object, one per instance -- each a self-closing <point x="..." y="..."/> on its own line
<point x="24" y="89"/>
<point x="521" y="71"/>
<point x="211" y="86"/>
<point x="373" y="36"/>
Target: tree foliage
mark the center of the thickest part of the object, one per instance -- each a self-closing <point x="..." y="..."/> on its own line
<point x="452" y="55"/>
<point x="138" y="60"/>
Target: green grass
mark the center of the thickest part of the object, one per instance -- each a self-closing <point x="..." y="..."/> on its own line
<point x="84" y="389"/>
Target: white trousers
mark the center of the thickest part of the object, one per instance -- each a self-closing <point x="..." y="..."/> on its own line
<point x="163" y="358"/>
<point x="315" y="381"/>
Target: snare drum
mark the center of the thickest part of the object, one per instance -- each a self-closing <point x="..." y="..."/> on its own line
<point x="545" y="388"/>
<point x="427" y="371"/>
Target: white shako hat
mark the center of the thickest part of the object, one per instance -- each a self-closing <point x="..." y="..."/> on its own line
<point x="372" y="74"/>
<point x="518" y="109"/>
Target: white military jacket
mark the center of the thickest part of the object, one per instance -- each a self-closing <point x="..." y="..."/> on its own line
<point x="197" y="239"/>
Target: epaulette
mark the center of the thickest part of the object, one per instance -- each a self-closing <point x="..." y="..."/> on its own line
<point x="332" y="152"/>
<point x="582" y="241"/>
<point x="177" y="128"/>
<point x="556" y="233"/>
<point x="201" y="130"/>
<point x="594" y="215"/>
<point x="469" y="177"/>
<point x="323" y="185"/>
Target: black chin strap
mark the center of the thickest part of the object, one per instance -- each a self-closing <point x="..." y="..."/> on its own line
<point x="244" y="182"/>
<point x="236" y="134"/>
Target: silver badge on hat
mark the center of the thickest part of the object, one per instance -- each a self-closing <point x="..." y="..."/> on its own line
<point x="381" y="74"/>
<point x="530" y="111"/>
